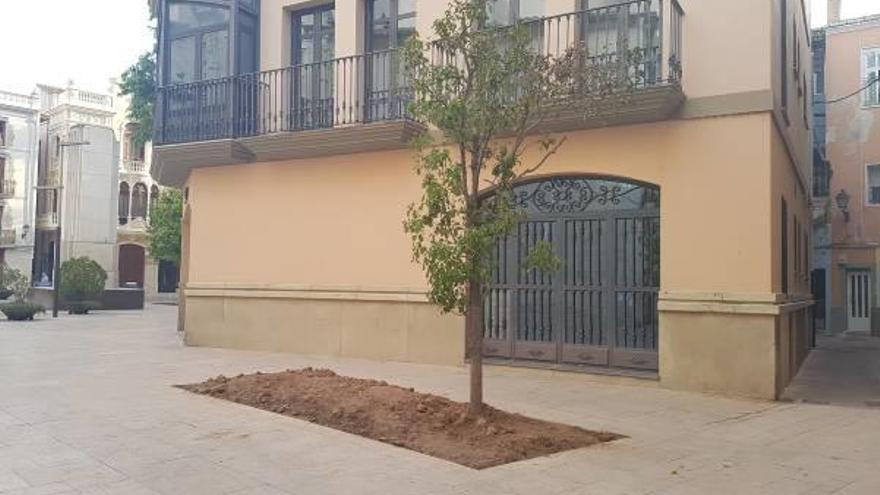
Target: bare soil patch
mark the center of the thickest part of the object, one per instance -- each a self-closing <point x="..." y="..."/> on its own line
<point x="400" y="416"/>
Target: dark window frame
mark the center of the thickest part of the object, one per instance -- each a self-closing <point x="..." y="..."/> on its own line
<point x="393" y="28"/>
<point x="295" y="28"/>
<point x="237" y="11"/>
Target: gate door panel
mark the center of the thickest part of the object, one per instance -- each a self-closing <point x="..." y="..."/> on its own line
<point x="600" y="308"/>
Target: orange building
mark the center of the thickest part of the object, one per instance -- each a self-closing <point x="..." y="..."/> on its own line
<point x="685" y="248"/>
<point x="852" y="148"/>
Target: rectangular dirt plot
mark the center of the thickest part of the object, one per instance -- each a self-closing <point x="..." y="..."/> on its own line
<point x="400" y="416"/>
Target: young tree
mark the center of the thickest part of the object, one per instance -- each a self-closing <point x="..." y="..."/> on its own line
<point x="139" y="82"/>
<point x="164" y="230"/>
<point x="487" y="92"/>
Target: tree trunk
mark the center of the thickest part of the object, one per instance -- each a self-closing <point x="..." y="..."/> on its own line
<point x="474" y="338"/>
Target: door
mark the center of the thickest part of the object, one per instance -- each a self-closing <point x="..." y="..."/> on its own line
<point x="131" y="266"/>
<point x="313" y="68"/>
<point x="600" y="307"/>
<point x="390" y="23"/>
<point x="858" y="301"/>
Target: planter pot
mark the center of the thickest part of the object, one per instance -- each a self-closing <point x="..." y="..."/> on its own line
<point x="20" y="311"/>
<point x="81" y="307"/>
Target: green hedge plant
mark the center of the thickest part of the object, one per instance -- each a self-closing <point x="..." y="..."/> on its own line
<point x="18" y="285"/>
<point x="82" y="283"/>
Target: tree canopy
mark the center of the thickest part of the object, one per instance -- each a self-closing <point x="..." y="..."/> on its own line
<point x="139" y="83"/>
<point x="164" y="230"/>
<point x="484" y="96"/>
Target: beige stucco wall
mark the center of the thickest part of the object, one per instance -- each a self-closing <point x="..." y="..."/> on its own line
<point x="853" y="142"/>
<point x="310" y="255"/>
<point x="337" y="221"/>
<point x="330" y="228"/>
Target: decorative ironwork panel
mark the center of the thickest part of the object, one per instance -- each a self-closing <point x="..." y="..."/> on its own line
<point x="580" y="195"/>
<point x="601" y="306"/>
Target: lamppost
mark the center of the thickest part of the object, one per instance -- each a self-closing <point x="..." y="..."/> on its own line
<point x="56" y="278"/>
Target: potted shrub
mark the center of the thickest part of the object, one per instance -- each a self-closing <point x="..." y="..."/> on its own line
<point x="7" y="279"/>
<point x="82" y="283"/>
<point x="20" y="309"/>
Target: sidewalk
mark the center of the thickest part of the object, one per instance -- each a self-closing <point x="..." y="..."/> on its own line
<point x="86" y="406"/>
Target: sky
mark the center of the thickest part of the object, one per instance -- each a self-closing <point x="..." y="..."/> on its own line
<point x="91" y="41"/>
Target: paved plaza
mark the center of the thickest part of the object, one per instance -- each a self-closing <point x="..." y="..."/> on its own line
<point x="87" y="406"/>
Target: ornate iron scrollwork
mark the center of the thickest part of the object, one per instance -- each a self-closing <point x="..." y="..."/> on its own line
<point x="566" y="195"/>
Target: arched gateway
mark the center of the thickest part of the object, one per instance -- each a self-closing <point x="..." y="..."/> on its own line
<point x="600" y="308"/>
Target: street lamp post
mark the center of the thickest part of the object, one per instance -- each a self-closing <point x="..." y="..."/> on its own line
<point x="56" y="278"/>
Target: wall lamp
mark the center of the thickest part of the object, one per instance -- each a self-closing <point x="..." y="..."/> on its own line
<point x="842" y="200"/>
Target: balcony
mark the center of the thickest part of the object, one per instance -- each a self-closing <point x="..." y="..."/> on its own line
<point x="7" y="238"/>
<point x="359" y="103"/>
<point x="134" y="167"/>
<point x="7" y="188"/>
<point x="47" y="221"/>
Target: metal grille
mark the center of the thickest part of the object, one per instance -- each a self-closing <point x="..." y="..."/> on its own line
<point x="600" y="308"/>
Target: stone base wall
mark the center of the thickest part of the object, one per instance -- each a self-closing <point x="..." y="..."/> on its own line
<point x="333" y="323"/>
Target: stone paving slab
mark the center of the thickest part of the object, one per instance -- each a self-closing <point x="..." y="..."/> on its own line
<point x="87" y="407"/>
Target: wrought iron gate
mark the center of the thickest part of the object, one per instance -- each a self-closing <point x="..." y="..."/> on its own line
<point x="600" y="308"/>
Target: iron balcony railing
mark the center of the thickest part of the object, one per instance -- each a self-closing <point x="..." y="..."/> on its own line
<point x="372" y="87"/>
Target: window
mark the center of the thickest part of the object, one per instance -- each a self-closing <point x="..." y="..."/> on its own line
<point x="2" y="133"/>
<point x="154" y="198"/>
<point x="784" y="246"/>
<point x="198" y="43"/>
<point x="312" y="52"/>
<point x="873" y="182"/>
<point x="508" y="12"/>
<point x="124" y="198"/>
<point x="390" y="23"/>
<point x="139" y="201"/>
<point x="871" y="76"/>
<point x="313" y="35"/>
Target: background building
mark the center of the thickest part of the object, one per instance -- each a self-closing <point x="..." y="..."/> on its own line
<point x="852" y="89"/>
<point x="137" y="193"/>
<point x="19" y="125"/>
<point x="80" y="179"/>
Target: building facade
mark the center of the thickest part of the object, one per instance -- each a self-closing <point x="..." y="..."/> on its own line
<point x="683" y="221"/>
<point x="137" y="194"/>
<point x="852" y="147"/>
<point x="75" y="182"/>
<point x="19" y="126"/>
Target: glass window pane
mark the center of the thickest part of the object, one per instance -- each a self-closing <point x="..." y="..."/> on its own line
<point x="182" y="60"/>
<point x="531" y="9"/>
<point x="381" y="11"/>
<point x="327" y="34"/>
<point x="405" y="29"/>
<point x="215" y="54"/>
<point x="247" y="47"/>
<point x="406" y="8"/>
<point x="306" y="50"/>
<point x="187" y="17"/>
<point x="380" y="35"/>
<point x="500" y="13"/>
